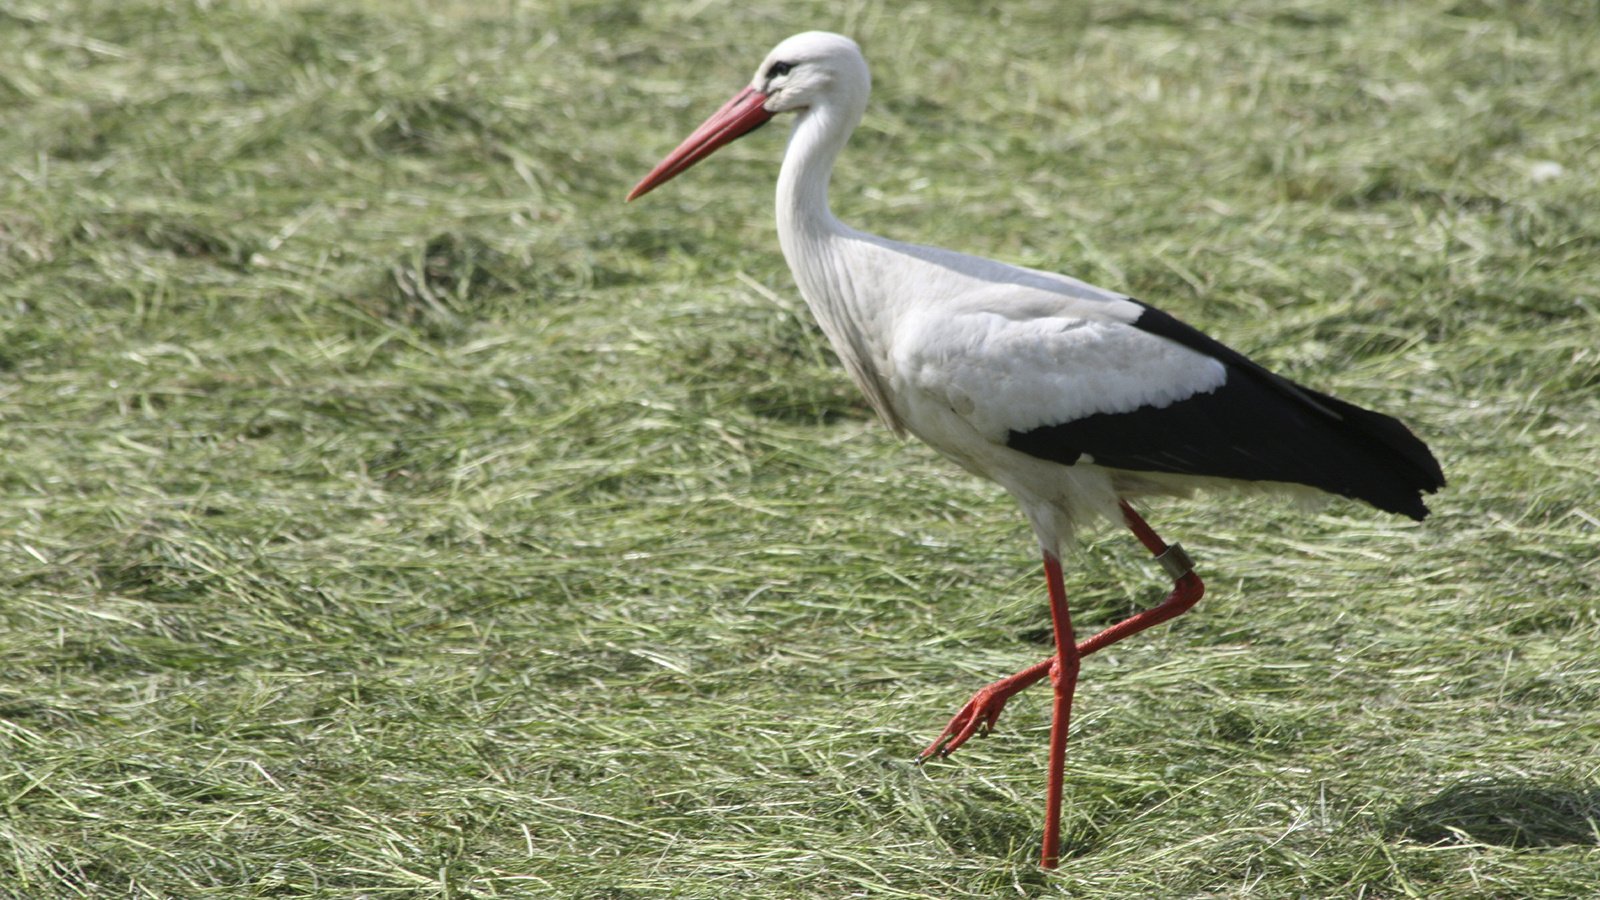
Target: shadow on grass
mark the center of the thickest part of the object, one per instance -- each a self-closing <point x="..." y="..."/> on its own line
<point x="1515" y="814"/>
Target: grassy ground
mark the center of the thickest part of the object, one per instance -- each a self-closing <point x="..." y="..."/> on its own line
<point x="391" y="512"/>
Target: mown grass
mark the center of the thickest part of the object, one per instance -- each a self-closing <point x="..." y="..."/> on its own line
<point x="390" y="511"/>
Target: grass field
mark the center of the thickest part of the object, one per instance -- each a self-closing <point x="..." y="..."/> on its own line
<point x="389" y="511"/>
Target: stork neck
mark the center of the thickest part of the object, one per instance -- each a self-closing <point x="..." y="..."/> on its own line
<point x="826" y="258"/>
<point x="819" y="134"/>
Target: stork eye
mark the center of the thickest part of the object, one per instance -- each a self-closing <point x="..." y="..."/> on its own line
<point x="779" y="69"/>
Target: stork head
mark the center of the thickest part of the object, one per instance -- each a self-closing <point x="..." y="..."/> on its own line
<point x="814" y="69"/>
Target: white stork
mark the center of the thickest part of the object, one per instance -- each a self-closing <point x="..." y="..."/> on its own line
<point x="1074" y="398"/>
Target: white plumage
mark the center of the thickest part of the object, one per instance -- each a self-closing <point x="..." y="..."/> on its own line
<point x="959" y="350"/>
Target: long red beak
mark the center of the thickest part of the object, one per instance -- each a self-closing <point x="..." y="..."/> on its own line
<point x="737" y="118"/>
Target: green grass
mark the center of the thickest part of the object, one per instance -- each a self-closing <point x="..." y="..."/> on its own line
<point x="389" y="511"/>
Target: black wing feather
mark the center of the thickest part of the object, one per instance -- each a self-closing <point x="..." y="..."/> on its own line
<point x="1257" y="426"/>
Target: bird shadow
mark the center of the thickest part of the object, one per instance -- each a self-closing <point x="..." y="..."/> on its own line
<point x="1505" y="813"/>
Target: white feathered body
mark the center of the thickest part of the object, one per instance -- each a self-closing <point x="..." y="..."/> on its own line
<point x="962" y="351"/>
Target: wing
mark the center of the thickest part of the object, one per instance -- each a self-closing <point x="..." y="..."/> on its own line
<point x="1125" y="386"/>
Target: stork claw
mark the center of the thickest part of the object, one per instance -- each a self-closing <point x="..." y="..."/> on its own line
<point x="976" y="718"/>
<point x="979" y="715"/>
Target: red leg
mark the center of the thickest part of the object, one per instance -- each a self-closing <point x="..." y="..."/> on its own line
<point x="1066" y="682"/>
<point x="983" y="710"/>
<point x="1186" y="587"/>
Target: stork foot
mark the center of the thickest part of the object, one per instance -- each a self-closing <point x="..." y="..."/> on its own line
<point x="983" y="710"/>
